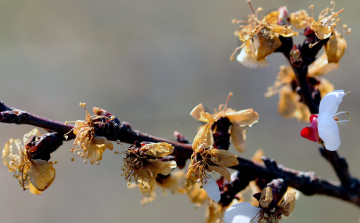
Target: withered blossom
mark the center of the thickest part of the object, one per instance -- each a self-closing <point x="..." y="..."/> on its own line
<point x="290" y="104"/>
<point x="143" y="163"/>
<point x="207" y="159"/>
<point x="260" y="37"/>
<point x="33" y="174"/>
<point x="87" y="144"/>
<point x="268" y="211"/>
<point x="238" y="120"/>
<point x="174" y="183"/>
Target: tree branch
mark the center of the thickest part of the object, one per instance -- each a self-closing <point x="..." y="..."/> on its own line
<point x="306" y="182"/>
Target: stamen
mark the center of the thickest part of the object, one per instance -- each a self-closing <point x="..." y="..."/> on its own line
<point x="342" y="112"/>
<point x="227" y="101"/>
<point x="343" y="122"/>
<point x="232" y="55"/>
<point x="252" y="9"/>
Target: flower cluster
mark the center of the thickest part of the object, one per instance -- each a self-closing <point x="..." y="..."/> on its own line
<point x="143" y="162"/>
<point x="261" y="37"/>
<point x="87" y="144"/>
<point x="237" y="120"/>
<point x="205" y="159"/>
<point x="33" y="174"/>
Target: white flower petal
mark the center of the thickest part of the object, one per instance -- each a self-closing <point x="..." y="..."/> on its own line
<point x="250" y="61"/>
<point x="328" y="131"/>
<point x="330" y="102"/>
<point x="212" y="189"/>
<point x="241" y="213"/>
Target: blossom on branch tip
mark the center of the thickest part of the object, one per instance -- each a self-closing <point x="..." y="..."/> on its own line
<point x="143" y="162"/>
<point x="260" y="37"/>
<point x="207" y="159"/>
<point x="87" y="144"/>
<point x="238" y="120"/>
<point x="33" y="174"/>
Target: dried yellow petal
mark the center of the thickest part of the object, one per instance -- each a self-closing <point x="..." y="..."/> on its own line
<point x="158" y="149"/>
<point x="222" y="171"/>
<point x="13" y="154"/>
<point x="160" y="167"/>
<point x="335" y="48"/>
<point x="29" y="135"/>
<point x="246" y="117"/>
<point x="266" y="197"/>
<point x="237" y="135"/>
<point x="224" y="158"/>
<point x="33" y="190"/>
<point x="41" y="173"/>
<point x="322" y="31"/>
<point x="199" y="114"/>
<point x="300" y="19"/>
<point x="321" y="66"/>
<point x="203" y="138"/>
<point x="146" y="182"/>
<point x="288" y="203"/>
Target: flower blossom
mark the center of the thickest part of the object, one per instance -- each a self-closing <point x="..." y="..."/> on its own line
<point x="87" y="143"/>
<point x="207" y="159"/>
<point x="324" y="125"/>
<point x="144" y="164"/>
<point x="268" y="210"/>
<point x="33" y="174"/>
<point x="260" y="37"/>
<point x="238" y="120"/>
<point x="290" y="104"/>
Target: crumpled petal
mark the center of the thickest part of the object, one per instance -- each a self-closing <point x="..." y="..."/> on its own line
<point x="266" y="197"/>
<point x="237" y="135"/>
<point x="29" y="135"/>
<point x="284" y="31"/>
<point x="13" y="154"/>
<point x="288" y="203"/>
<point x="268" y="43"/>
<point x="158" y="149"/>
<point x="289" y="105"/>
<point x="160" y="167"/>
<point x="335" y="48"/>
<point x="330" y="102"/>
<point x="322" y="31"/>
<point x="246" y="117"/>
<point x="41" y="173"/>
<point x="224" y="158"/>
<point x="203" y="137"/>
<point x="199" y="114"/>
<point x="241" y="213"/>
<point x="212" y="189"/>
<point x="248" y="58"/>
<point x="300" y="19"/>
<point x="321" y="66"/>
<point x="328" y="131"/>
<point x="33" y="190"/>
<point x="222" y="171"/>
<point x="146" y="182"/>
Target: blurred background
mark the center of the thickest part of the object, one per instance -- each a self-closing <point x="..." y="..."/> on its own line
<point x="150" y="63"/>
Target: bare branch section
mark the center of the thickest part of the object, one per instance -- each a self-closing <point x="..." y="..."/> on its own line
<point x="306" y="182"/>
